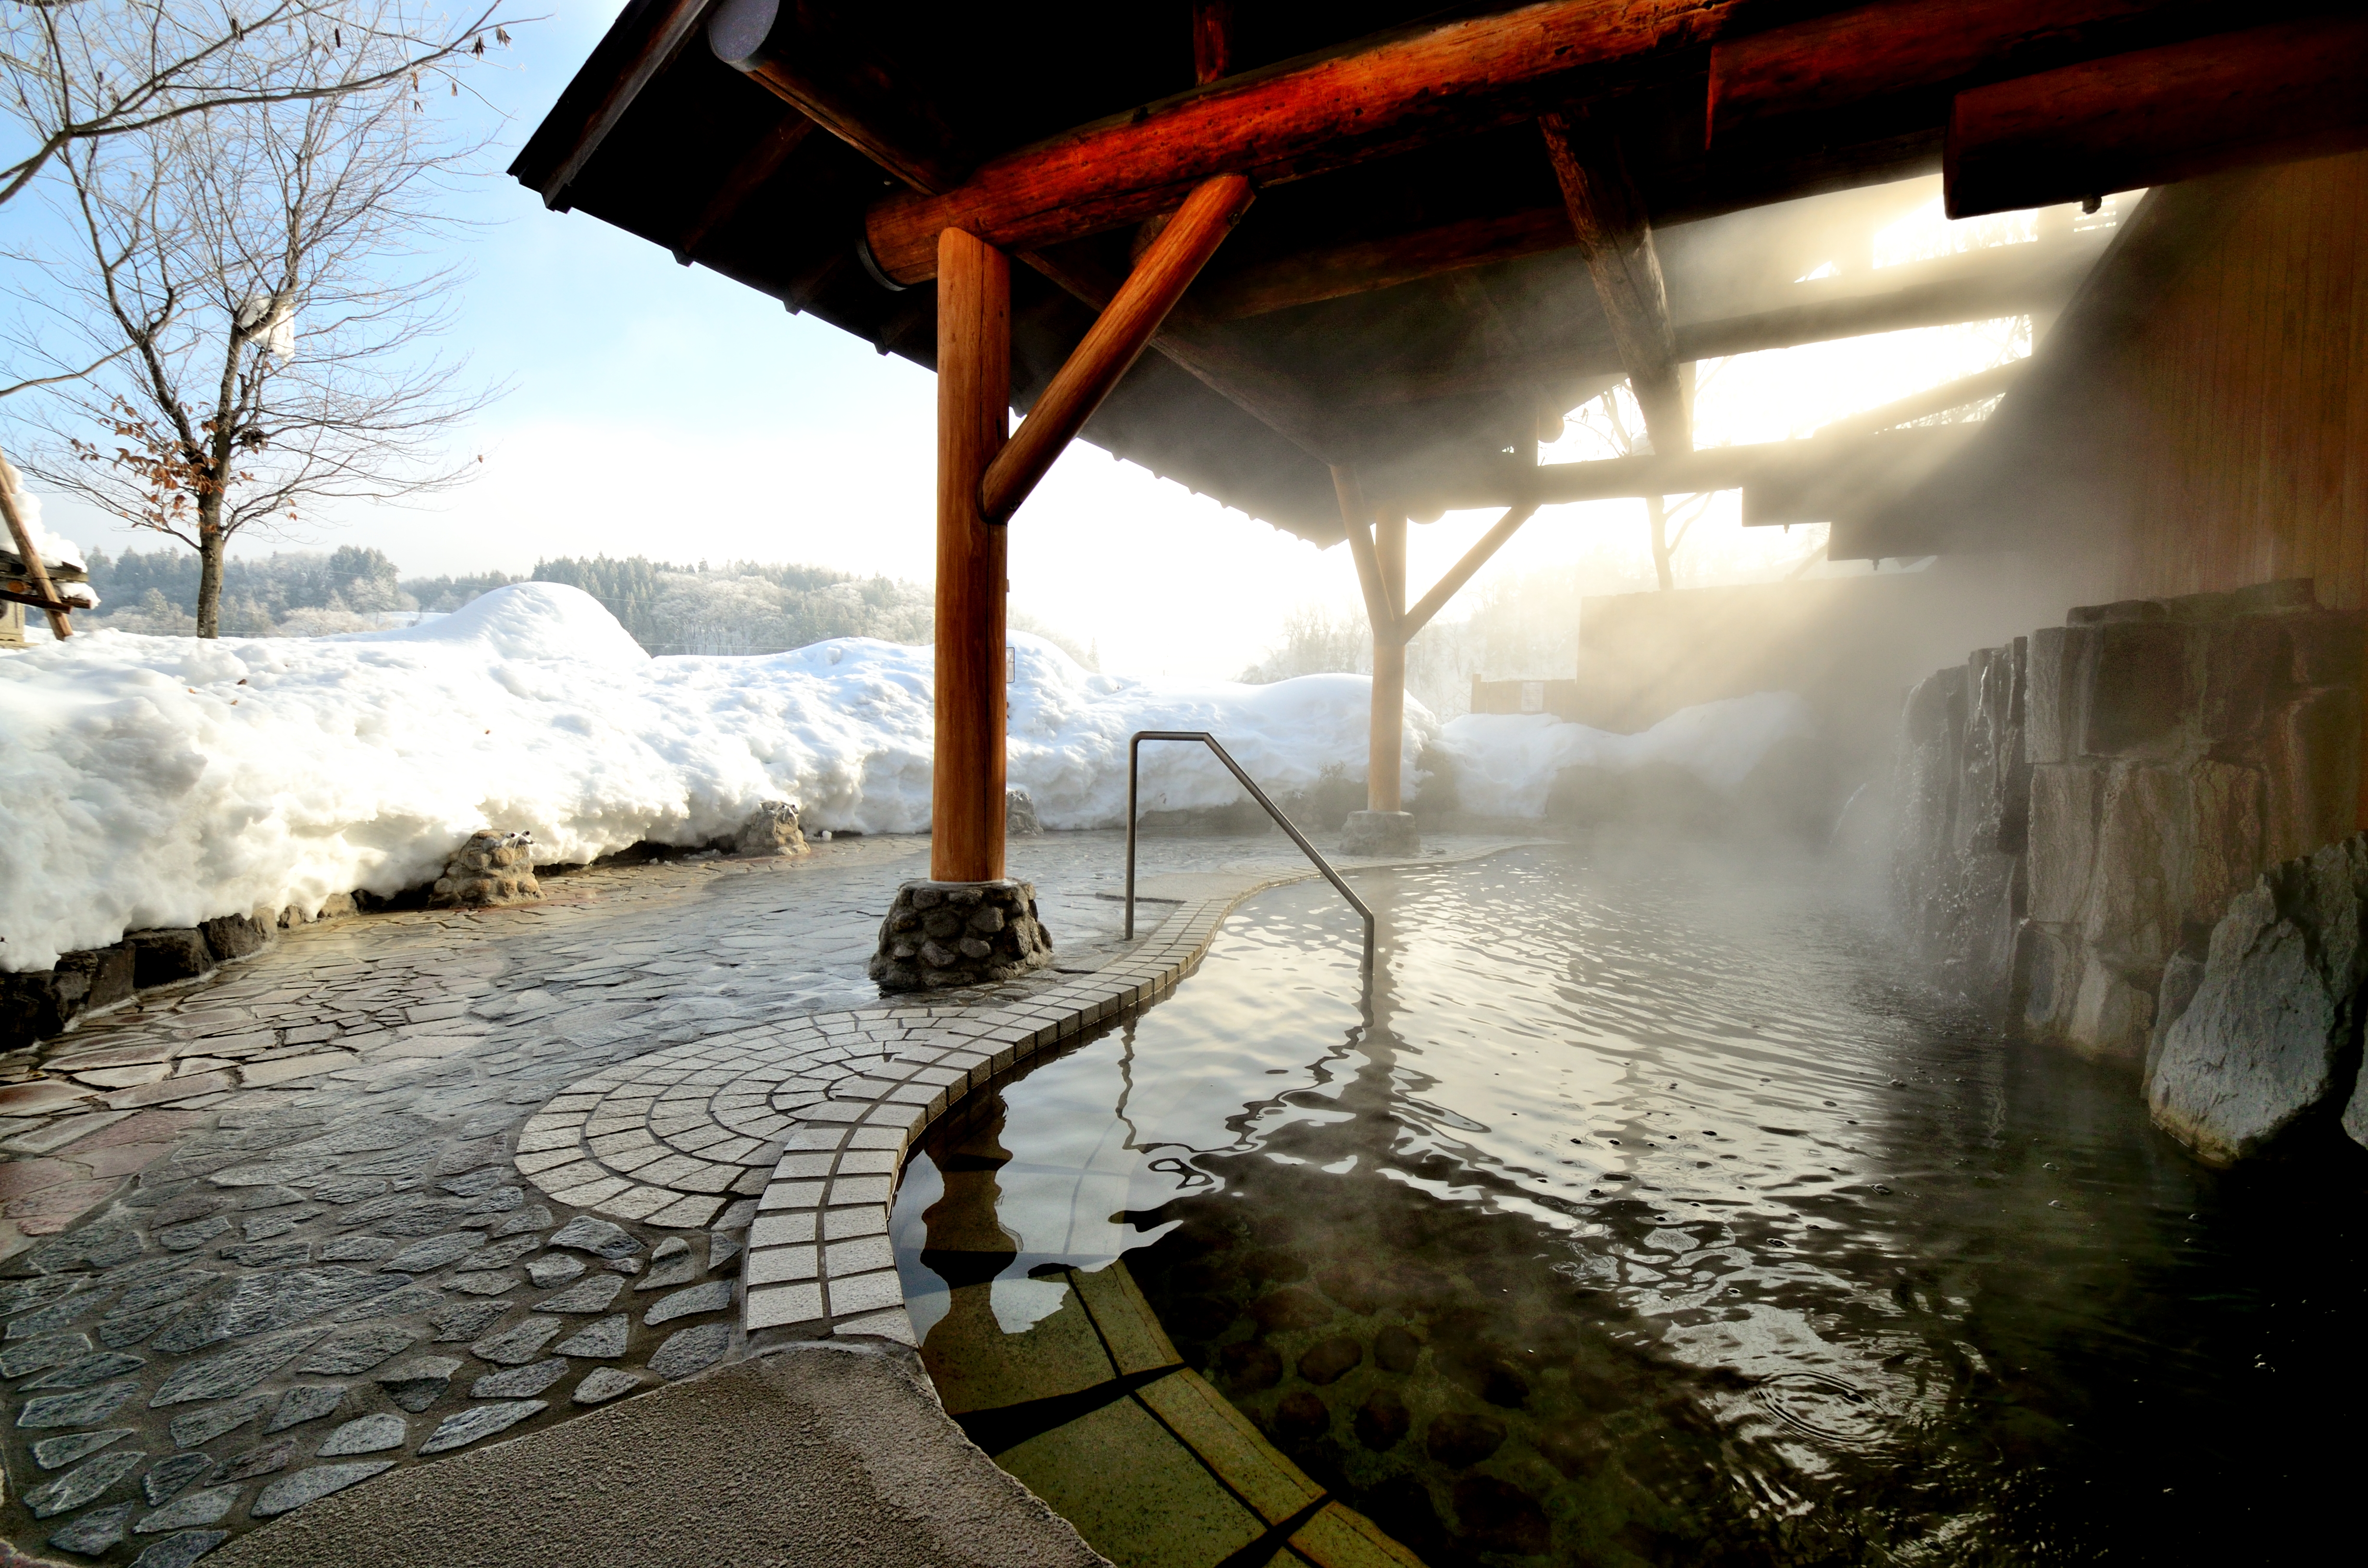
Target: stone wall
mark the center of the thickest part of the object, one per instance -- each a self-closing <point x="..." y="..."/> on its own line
<point x="2076" y="811"/>
<point x="1961" y="794"/>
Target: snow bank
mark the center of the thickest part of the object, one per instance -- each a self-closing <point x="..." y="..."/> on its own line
<point x="1506" y="763"/>
<point x="159" y="782"/>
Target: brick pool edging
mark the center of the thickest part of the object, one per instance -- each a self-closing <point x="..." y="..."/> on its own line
<point x="814" y="1118"/>
<point x="670" y="1139"/>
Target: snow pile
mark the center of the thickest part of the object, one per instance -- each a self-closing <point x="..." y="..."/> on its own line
<point x="1506" y="763"/>
<point x="159" y="780"/>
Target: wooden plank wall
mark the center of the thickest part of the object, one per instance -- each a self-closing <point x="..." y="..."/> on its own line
<point x="2240" y="440"/>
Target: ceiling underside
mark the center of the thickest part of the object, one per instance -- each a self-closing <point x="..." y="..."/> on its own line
<point x="1427" y="304"/>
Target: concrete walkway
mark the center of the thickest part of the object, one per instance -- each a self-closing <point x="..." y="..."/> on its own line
<point x="271" y="1238"/>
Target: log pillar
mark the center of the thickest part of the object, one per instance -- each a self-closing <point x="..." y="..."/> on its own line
<point x="973" y="413"/>
<point x="967" y="924"/>
<point x="1385" y="787"/>
<point x="1384" y="826"/>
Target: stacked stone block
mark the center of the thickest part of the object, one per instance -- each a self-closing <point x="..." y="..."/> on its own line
<point x="493" y="867"/>
<point x="1962" y="792"/>
<point x="2077" y="812"/>
<point x="2178" y="747"/>
<point x="941" y="934"/>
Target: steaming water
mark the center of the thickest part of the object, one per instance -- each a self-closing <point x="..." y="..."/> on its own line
<point x="1663" y="1221"/>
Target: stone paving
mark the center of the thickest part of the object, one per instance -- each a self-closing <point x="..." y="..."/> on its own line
<point x="282" y="1230"/>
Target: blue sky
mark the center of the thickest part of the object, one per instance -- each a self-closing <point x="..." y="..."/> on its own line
<point x="660" y="410"/>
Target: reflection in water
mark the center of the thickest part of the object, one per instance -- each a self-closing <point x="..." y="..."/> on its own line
<point x="1642" y="1217"/>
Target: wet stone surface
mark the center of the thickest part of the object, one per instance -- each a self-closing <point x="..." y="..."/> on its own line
<point x="347" y="1234"/>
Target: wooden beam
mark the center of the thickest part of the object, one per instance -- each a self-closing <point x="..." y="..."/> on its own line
<point x="973" y="404"/>
<point x="676" y="21"/>
<point x="1384" y="755"/>
<point x="1882" y="51"/>
<point x="804" y="55"/>
<point x="2010" y="280"/>
<point x="1503" y="481"/>
<point x="1357" y="521"/>
<point x="1117" y="338"/>
<point x="1448" y="586"/>
<point x="1362" y="266"/>
<point x="1388" y="95"/>
<point x="2156" y="116"/>
<point x="756" y="167"/>
<point x="1614" y="235"/>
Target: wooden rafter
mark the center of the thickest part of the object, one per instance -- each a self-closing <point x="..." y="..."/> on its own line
<point x="659" y="46"/>
<point x="804" y="57"/>
<point x="1389" y="94"/>
<point x="756" y="167"/>
<point x="1616" y="238"/>
<point x="2013" y="280"/>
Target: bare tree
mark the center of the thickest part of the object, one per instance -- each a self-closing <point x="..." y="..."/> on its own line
<point x="1614" y="420"/>
<point x="76" y="71"/>
<point x="262" y="281"/>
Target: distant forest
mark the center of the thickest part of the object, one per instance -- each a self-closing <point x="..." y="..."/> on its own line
<point x="743" y="607"/>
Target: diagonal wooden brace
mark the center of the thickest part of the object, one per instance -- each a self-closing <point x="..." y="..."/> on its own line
<point x="1357" y="518"/>
<point x="1116" y="340"/>
<point x="1460" y="572"/>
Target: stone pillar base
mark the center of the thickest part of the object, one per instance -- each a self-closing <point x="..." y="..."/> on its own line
<point x="1380" y="832"/>
<point x="941" y="934"/>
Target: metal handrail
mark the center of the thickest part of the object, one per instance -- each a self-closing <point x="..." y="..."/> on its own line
<point x="1134" y="762"/>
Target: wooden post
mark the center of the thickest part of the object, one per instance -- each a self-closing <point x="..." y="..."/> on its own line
<point x="35" y="573"/>
<point x="973" y="411"/>
<point x="1385" y="787"/>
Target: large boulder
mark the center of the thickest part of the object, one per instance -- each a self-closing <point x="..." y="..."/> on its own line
<point x="167" y="953"/>
<point x="771" y="829"/>
<point x="235" y="936"/>
<point x="2268" y="1047"/>
<point x="491" y="868"/>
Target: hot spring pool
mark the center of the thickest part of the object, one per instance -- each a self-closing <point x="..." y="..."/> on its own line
<point x="1645" y="1213"/>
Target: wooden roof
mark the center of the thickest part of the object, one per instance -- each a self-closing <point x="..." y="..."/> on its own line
<point x="1411" y="309"/>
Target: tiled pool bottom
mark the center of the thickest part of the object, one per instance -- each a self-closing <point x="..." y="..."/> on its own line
<point x="1642" y="1220"/>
